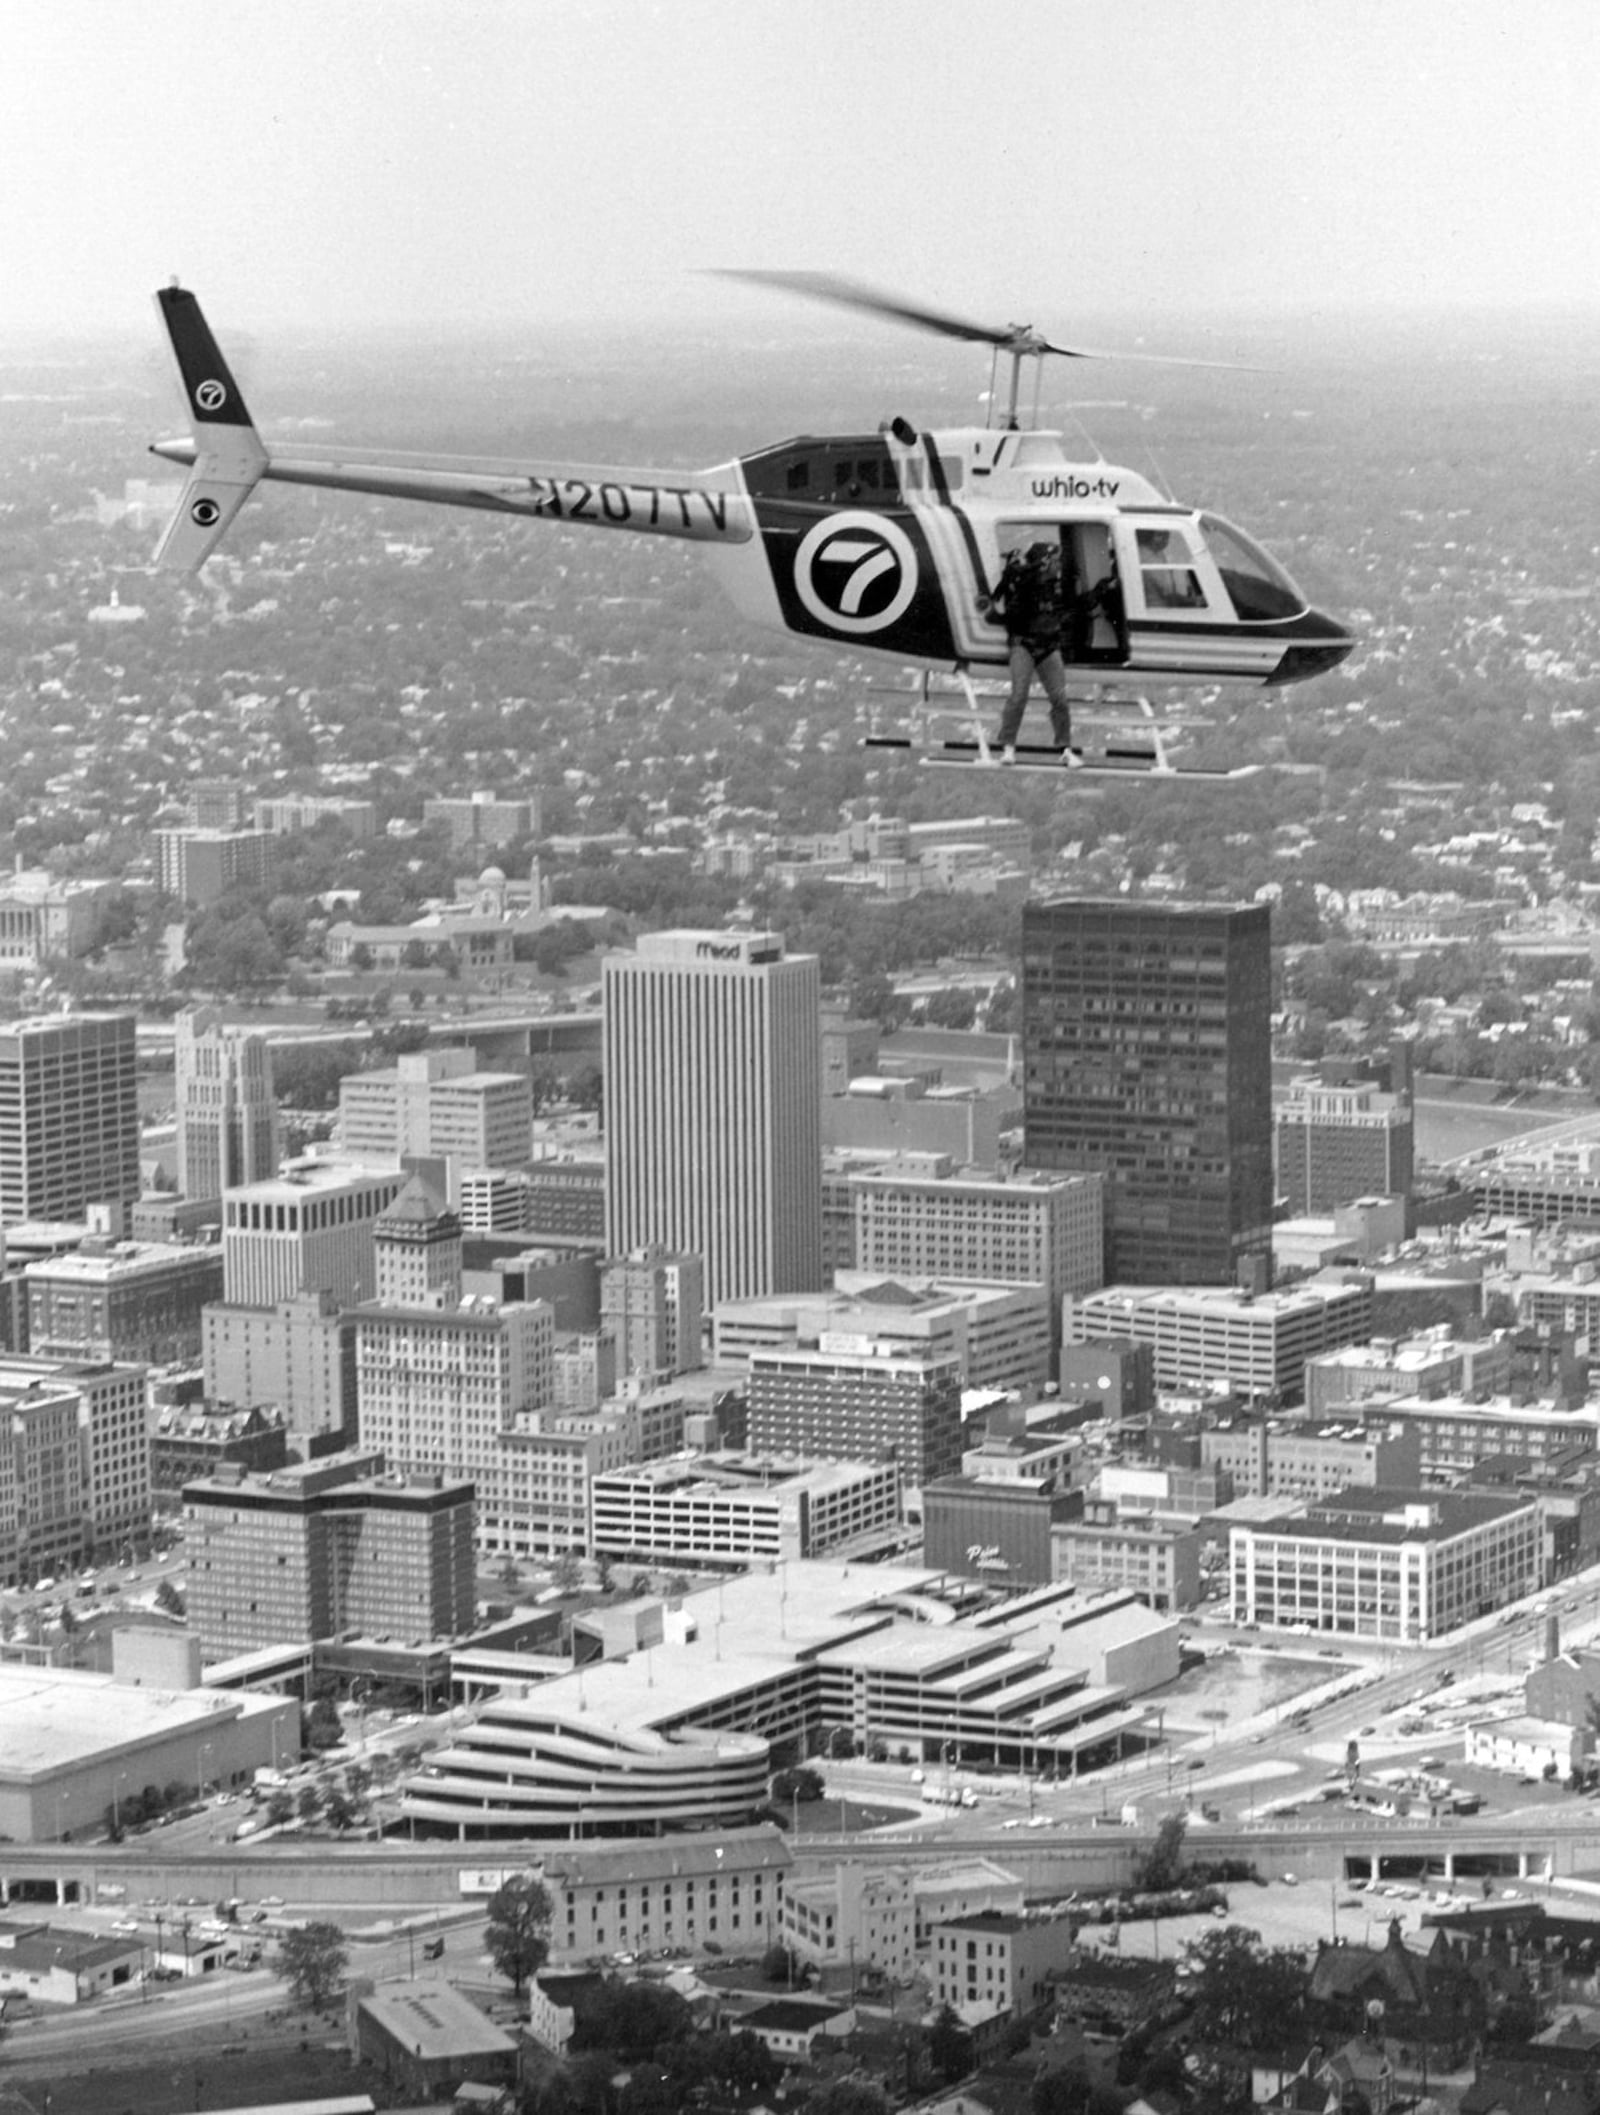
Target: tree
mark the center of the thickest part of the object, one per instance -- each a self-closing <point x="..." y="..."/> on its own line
<point x="169" y="1600"/>
<point x="949" y="2045"/>
<point x="517" y="1934"/>
<point x="1164" y="1865"/>
<point x="802" y="1785"/>
<point x="566" y="1574"/>
<point x="1069" y="2090"/>
<point x="308" y="1802"/>
<point x="847" y="2096"/>
<point x="322" y="1725"/>
<point x="630" y="2019"/>
<point x="280" y="1809"/>
<point x="312" y="1962"/>
<point x="778" y="1963"/>
<point x="339" y="1809"/>
<point x="1243" y="1994"/>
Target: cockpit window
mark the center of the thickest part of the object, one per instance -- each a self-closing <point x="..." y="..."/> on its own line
<point x="1257" y="584"/>
<point x="1166" y="571"/>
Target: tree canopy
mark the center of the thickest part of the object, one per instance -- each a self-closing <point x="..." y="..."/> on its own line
<point x="1243" y="1992"/>
<point x="312" y="1961"/>
<point x="517" y="1933"/>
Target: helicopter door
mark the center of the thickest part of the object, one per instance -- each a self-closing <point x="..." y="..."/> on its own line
<point x="1097" y="631"/>
<point x="1100" y="622"/>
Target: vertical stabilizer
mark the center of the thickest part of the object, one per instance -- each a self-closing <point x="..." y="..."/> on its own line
<point x="227" y="455"/>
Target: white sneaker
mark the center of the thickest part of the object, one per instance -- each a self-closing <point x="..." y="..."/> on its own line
<point x="1072" y="759"/>
<point x="1008" y="754"/>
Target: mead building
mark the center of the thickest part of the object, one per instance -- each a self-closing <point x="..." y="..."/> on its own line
<point x="713" y="1108"/>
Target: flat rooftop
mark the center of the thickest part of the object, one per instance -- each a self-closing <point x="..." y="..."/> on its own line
<point x="746" y="1634"/>
<point x="434" y="2021"/>
<point x="55" y="1718"/>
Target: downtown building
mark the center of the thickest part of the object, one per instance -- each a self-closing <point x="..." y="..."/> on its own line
<point x="324" y="1548"/>
<point x="855" y="1400"/>
<point x="713" y="1108"/>
<point x="1393" y="1565"/>
<point x="926" y="1218"/>
<point x="1147" y="1059"/>
<point x="74" y="1463"/>
<point x="295" y="1354"/>
<point x="141" y="1301"/>
<point x="309" y="1229"/>
<point x="439" y="1375"/>
<point x="653" y="1303"/>
<point x="1338" y="1143"/>
<point x="437" y="1104"/>
<point x="226" y="1110"/>
<point x="1208" y="1338"/>
<point x="69" y="1116"/>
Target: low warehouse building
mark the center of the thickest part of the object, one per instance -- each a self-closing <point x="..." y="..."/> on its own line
<point x="430" y="2040"/>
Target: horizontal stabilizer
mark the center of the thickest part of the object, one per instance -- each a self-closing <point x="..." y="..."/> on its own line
<point x="227" y="454"/>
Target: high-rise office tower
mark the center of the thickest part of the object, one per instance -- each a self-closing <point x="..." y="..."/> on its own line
<point x="1145" y="1039"/>
<point x="713" y="1108"/>
<point x="227" y="1114"/>
<point x="69" y="1115"/>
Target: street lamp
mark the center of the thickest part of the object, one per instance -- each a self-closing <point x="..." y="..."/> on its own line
<point x="61" y="1800"/>
<point x="116" y="1804"/>
<point x="200" y="1770"/>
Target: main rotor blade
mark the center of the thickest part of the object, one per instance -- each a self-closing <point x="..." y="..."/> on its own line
<point x="849" y="293"/>
<point x="1009" y="337"/>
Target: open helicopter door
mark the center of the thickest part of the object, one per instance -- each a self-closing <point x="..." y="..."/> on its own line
<point x="1097" y="634"/>
<point x="1100" y="632"/>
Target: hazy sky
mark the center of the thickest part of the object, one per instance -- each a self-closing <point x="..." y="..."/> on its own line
<point x="505" y="160"/>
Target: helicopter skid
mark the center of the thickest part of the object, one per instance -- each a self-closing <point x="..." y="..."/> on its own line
<point x="1115" y="760"/>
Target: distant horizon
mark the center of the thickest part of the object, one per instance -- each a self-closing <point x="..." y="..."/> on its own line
<point x="795" y="320"/>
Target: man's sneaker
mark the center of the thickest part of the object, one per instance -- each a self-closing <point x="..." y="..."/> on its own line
<point x="1072" y="758"/>
<point x="1008" y="755"/>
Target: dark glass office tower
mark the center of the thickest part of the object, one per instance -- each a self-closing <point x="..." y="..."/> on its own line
<point x="1146" y="1045"/>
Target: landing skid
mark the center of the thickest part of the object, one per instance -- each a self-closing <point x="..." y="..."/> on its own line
<point x="1111" y="762"/>
<point x="1130" y="739"/>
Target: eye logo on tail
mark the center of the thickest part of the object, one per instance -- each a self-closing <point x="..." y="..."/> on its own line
<point x="211" y="396"/>
<point x="206" y="512"/>
<point x="856" y="572"/>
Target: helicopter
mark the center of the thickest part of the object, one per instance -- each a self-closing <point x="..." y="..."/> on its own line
<point x="885" y="544"/>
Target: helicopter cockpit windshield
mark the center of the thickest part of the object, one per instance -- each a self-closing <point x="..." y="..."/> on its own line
<point x="1257" y="585"/>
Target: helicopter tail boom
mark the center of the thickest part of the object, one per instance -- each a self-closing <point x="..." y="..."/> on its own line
<point x="226" y="459"/>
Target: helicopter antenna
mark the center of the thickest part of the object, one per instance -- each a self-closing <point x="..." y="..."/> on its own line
<point x="1071" y="409"/>
<point x="1158" y="476"/>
